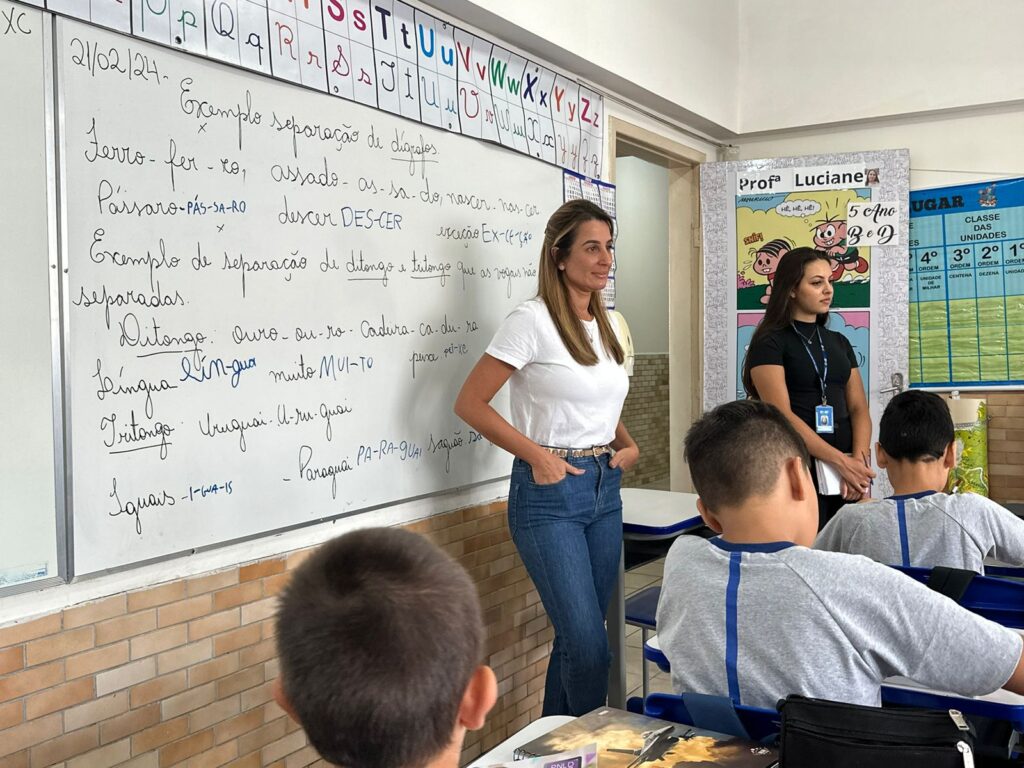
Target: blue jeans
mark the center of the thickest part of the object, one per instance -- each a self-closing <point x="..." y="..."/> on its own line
<point x="569" y="535"/>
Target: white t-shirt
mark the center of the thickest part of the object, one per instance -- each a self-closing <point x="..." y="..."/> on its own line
<point x="555" y="400"/>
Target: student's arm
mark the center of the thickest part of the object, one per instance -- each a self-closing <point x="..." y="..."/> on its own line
<point x="1016" y="682"/>
<point x="626" y="451"/>
<point x="901" y="627"/>
<point x="473" y="406"/>
<point x="950" y="648"/>
<point x="1005" y="528"/>
<point x="770" y="383"/>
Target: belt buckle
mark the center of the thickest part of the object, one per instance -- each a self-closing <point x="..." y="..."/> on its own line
<point x="594" y="448"/>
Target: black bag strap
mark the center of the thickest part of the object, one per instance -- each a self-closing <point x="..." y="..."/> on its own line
<point x="951" y="582"/>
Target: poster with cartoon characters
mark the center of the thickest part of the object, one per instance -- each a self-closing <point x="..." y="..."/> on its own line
<point x="852" y="207"/>
<point x="803" y="208"/>
<point x="769" y="226"/>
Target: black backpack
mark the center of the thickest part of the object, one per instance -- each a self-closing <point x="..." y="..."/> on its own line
<point x="827" y="734"/>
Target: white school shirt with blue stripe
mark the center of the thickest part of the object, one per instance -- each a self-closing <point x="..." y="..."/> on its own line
<point x="928" y="529"/>
<point x="757" y="622"/>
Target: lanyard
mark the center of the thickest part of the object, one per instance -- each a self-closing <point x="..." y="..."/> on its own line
<point x="822" y="375"/>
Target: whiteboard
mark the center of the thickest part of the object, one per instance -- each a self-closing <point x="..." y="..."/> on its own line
<point x="274" y="296"/>
<point x="28" y="495"/>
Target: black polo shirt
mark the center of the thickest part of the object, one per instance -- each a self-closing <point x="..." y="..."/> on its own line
<point x="784" y="347"/>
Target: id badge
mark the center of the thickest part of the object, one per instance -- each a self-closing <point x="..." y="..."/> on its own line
<point x="823" y="421"/>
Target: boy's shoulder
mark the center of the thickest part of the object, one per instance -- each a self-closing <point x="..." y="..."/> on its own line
<point x="847" y="580"/>
<point x="839" y="563"/>
<point x="967" y="500"/>
<point x="693" y="551"/>
<point x="864" y="508"/>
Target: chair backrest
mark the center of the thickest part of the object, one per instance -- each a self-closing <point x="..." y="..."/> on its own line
<point x="714" y="713"/>
<point x="642" y="608"/>
<point x="997" y="599"/>
<point x="1005" y="571"/>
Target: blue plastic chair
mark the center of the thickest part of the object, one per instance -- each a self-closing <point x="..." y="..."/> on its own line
<point x="997" y="599"/>
<point x="653" y="652"/>
<point x="641" y="611"/>
<point x="1005" y="571"/>
<point x="715" y="713"/>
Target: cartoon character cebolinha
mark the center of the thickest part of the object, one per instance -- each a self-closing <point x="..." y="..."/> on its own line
<point x="830" y="237"/>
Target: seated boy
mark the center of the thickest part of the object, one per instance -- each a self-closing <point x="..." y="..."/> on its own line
<point x="756" y="615"/>
<point x="921" y="525"/>
<point x="381" y="639"/>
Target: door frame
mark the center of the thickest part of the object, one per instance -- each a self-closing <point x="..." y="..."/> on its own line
<point x="685" y="278"/>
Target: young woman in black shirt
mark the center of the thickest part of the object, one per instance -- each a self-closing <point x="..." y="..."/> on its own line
<point x="810" y="373"/>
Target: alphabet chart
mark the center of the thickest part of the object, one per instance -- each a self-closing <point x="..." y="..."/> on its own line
<point x="967" y="285"/>
<point x="387" y="55"/>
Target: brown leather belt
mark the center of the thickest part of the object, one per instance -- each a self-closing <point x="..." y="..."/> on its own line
<point x="578" y="453"/>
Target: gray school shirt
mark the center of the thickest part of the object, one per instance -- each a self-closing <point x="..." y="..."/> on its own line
<point x="928" y="529"/>
<point x="757" y="622"/>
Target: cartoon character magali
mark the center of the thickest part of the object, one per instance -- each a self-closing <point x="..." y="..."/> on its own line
<point x="830" y="237"/>
<point x="766" y="260"/>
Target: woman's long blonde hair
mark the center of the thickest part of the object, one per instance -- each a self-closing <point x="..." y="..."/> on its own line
<point x="559" y="236"/>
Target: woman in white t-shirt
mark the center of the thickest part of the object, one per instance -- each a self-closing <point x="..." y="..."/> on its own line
<point x="567" y="384"/>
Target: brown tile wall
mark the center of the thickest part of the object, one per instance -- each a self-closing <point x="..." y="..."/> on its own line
<point x="180" y="674"/>
<point x="1005" y="445"/>
<point x="645" y="414"/>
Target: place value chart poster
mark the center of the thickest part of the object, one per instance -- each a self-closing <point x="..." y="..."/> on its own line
<point x="967" y="285"/>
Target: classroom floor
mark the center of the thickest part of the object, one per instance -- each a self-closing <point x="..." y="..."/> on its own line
<point x="646" y="575"/>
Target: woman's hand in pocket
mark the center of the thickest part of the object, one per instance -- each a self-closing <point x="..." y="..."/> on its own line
<point x="548" y="469"/>
<point x="626" y="458"/>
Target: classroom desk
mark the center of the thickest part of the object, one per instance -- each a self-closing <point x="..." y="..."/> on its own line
<point x="646" y="515"/>
<point x="1000" y="705"/>
<point x="503" y="753"/>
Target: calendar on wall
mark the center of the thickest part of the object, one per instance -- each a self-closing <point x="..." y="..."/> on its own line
<point x="967" y="285"/>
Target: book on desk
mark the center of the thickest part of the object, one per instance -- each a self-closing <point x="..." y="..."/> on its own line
<point x="628" y="740"/>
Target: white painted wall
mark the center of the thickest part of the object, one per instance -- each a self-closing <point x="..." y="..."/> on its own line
<point x="745" y="66"/>
<point x="682" y="54"/>
<point x="804" y="62"/>
<point x="641" y="252"/>
<point x="953" y="149"/>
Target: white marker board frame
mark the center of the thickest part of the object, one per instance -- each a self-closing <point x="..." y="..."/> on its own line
<point x="97" y="546"/>
<point x="33" y="551"/>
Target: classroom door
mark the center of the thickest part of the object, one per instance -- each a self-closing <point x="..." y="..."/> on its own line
<point x="658" y="288"/>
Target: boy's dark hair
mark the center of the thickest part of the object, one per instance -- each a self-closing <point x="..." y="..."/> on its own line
<point x="379" y="632"/>
<point x="916" y="426"/>
<point x="736" y="451"/>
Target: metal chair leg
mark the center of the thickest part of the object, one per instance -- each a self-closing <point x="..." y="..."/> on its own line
<point x="643" y="662"/>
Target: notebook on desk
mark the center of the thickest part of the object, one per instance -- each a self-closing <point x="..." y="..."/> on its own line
<point x="628" y="740"/>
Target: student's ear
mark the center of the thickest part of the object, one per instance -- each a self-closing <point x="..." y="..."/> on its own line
<point x="881" y="457"/>
<point x="282" y="700"/>
<point x="949" y="456"/>
<point x="480" y="696"/>
<point x="798" y="478"/>
<point x="709" y="519"/>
